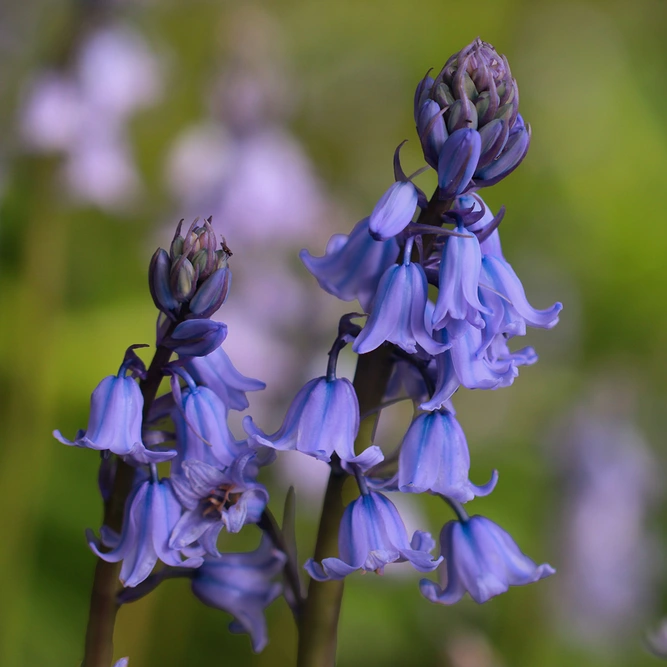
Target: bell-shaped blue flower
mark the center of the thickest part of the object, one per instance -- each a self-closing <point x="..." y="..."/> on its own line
<point x="323" y="419"/>
<point x="372" y="535"/>
<point x="434" y="457"/>
<point x="115" y="422"/>
<point x="200" y="418"/>
<point x="242" y="585"/>
<point x="352" y="265"/>
<point x="151" y="512"/>
<point x="398" y="311"/>
<point x="481" y="559"/>
<point x="215" y="499"/>
<point x="458" y="283"/>
<point x="217" y="372"/>
<point x="394" y="211"/>
<point x="457" y="161"/>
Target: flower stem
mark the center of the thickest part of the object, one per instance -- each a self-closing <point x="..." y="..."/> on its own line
<point x="103" y="600"/>
<point x="318" y="630"/>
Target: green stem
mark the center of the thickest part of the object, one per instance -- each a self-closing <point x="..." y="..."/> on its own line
<point x="106" y="585"/>
<point x="318" y="630"/>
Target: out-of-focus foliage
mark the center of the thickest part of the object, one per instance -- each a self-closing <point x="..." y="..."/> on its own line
<point x="281" y="118"/>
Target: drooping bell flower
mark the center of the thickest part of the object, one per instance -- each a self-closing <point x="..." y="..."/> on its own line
<point x="322" y="419"/>
<point x="115" y="421"/>
<point x="398" y="311"/>
<point x="394" y="211"/>
<point x="352" y="265"/>
<point x="151" y="512"/>
<point x="458" y="284"/>
<point x="217" y="372"/>
<point x="372" y="535"/>
<point x="434" y="457"/>
<point x="481" y="559"/>
<point x="243" y="585"/>
<point x="202" y="434"/>
<point x="195" y="338"/>
<point x="214" y="499"/>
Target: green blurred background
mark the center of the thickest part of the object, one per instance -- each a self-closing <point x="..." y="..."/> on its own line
<point x="578" y="440"/>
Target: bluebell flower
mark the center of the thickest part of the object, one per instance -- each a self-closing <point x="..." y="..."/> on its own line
<point x="394" y="211"/>
<point x="200" y="418"/>
<point x="115" y="422"/>
<point x="322" y="419"/>
<point x="372" y="535"/>
<point x="151" y="512"/>
<point x="398" y="311"/>
<point x="213" y="499"/>
<point x="217" y="372"/>
<point x="458" y="284"/>
<point x="123" y="662"/>
<point x="481" y="559"/>
<point x="352" y="265"/>
<point x="434" y="457"/>
<point x="242" y="585"/>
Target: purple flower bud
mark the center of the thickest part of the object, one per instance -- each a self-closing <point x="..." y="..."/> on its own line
<point x="352" y="265"/>
<point x="458" y="283"/>
<point x="151" y="512"/>
<point x="211" y="294"/>
<point x="182" y="279"/>
<point x="457" y="162"/>
<point x="508" y="160"/>
<point x="322" y="419"/>
<point x="115" y="422"/>
<point x="434" y="457"/>
<point x="196" y="338"/>
<point x="158" y="283"/>
<point x="421" y="94"/>
<point x="372" y="535"/>
<point x="494" y="137"/>
<point x="481" y="559"/>
<point x="394" y="211"/>
<point x="217" y="372"/>
<point x="241" y="584"/>
<point x="432" y="131"/>
<point x="398" y="313"/>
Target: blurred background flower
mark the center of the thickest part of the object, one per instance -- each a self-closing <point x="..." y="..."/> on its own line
<point x="279" y="119"/>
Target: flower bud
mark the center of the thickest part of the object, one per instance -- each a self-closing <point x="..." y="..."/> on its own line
<point x="509" y="158"/>
<point x="211" y="295"/>
<point x="158" y="283"/>
<point x="458" y="161"/>
<point x="474" y="90"/>
<point x="183" y="280"/>
<point x="394" y="211"/>
<point x="196" y="338"/>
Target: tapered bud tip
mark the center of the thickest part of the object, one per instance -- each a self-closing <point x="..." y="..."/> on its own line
<point x="473" y="88"/>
